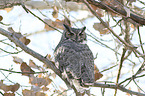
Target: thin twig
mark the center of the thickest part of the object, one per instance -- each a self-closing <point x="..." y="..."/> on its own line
<point x="108" y="68"/>
<point x="9" y="45"/>
<point x="134" y="76"/>
<point x="41" y="19"/>
<point x="1" y="93"/>
<point x="140" y="39"/>
<point x="138" y="86"/>
<point x="120" y="67"/>
<point x="10" y="52"/>
<point x="22" y="72"/>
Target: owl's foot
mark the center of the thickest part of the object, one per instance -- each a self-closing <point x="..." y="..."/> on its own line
<point x="84" y="84"/>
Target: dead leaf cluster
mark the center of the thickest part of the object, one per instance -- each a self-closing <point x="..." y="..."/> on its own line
<point x="55" y="12"/>
<point x="32" y="93"/>
<point x="56" y="24"/>
<point x="97" y="74"/>
<point x="26" y="70"/>
<point x="101" y="28"/>
<point x="39" y="82"/>
<point x="18" y="35"/>
<point x="9" y="89"/>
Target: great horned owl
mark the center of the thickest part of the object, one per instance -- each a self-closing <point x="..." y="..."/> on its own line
<point x="73" y="56"/>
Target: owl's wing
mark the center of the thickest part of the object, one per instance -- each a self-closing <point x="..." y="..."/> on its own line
<point x="69" y="60"/>
<point x="87" y="69"/>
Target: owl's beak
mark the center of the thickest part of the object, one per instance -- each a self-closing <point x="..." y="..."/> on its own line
<point x="76" y="38"/>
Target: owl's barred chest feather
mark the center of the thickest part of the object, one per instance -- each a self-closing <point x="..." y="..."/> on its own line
<point x="76" y="58"/>
<point x="68" y="47"/>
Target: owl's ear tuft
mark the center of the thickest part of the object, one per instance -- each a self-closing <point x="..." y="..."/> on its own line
<point x="84" y="28"/>
<point x="66" y="27"/>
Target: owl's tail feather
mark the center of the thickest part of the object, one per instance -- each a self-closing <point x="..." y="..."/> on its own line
<point x="84" y="91"/>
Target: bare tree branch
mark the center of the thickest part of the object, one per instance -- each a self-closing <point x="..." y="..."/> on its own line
<point x="10" y="3"/>
<point x="116" y="10"/>
<point x="113" y="86"/>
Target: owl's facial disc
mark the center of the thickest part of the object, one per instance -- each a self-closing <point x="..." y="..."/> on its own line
<point x="75" y="34"/>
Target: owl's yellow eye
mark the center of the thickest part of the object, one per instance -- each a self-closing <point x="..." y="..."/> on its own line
<point x="81" y="34"/>
<point x="70" y="34"/>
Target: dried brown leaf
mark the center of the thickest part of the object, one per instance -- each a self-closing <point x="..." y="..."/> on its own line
<point x="96" y="68"/>
<point x="100" y="28"/>
<point x="97" y="74"/>
<point x="32" y="93"/>
<point x="1" y="18"/>
<point x="17" y="60"/>
<point x="39" y="81"/>
<point x="25" y="68"/>
<point x="15" y="87"/>
<point x="24" y="40"/>
<point x="53" y="75"/>
<point x="55" y="12"/>
<point x="49" y="22"/>
<point x="12" y="88"/>
<point x="9" y="94"/>
<point x="40" y="75"/>
<point x="18" y="35"/>
<point x="39" y="94"/>
<point x="8" y="9"/>
<point x="49" y="57"/>
<point x="32" y="64"/>
<point x="100" y="12"/>
<point x="132" y="26"/>
<point x="28" y="92"/>
<point x="45" y="88"/>
<point x="57" y="23"/>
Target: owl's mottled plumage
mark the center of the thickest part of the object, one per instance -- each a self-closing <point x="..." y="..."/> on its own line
<point x="74" y="57"/>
